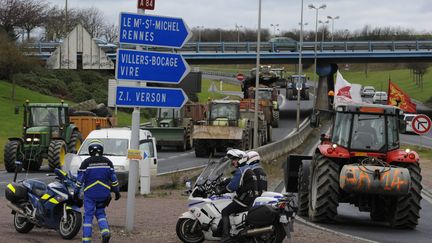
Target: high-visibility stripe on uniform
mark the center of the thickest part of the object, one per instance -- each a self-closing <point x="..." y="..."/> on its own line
<point x="95" y="183"/>
<point x="115" y="183"/>
<point x="98" y="167"/>
<point x="63" y="173"/>
<point x="87" y="225"/>
<point x="86" y="238"/>
<point x="105" y="230"/>
<point x="12" y="188"/>
<point x="102" y="219"/>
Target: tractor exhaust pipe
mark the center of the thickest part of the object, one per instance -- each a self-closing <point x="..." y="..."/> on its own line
<point x="254" y="232"/>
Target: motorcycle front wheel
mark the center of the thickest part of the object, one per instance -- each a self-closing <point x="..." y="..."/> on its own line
<point x="70" y="225"/>
<point x="277" y="236"/>
<point x="184" y="228"/>
<point x="22" y="225"/>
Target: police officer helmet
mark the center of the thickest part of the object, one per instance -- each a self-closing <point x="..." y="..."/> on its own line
<point x="253" y="156"/>
<point x="238" y="155"/>
<point x="95" y="148"/>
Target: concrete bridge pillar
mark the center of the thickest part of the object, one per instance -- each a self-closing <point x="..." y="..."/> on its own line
<point x="326" y="83"/>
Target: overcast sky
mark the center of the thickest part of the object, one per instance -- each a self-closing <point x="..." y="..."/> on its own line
<point x="354" y="14"/>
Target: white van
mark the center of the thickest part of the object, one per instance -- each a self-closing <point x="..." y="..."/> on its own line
<point x="116" y="143"/>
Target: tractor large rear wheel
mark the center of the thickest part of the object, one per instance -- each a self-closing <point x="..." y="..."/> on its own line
<point x="303" y="195"/>
<point x="324" y="189"/>
<point x="12" y="153"/>
<point x="56" y="154"/>
<point x="75" y="142"/>
<point x="405" y="210"/>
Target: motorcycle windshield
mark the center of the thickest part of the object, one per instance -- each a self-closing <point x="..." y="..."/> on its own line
<point x="213" y="170"/>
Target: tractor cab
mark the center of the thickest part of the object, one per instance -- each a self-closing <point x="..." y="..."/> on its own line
<point x="366" y="127"/>
<point x="168" y="117"/>
<point x="224" y="113"/>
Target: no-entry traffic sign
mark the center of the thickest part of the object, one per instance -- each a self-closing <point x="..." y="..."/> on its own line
<point x="421" y="124"/>
<point x="240" y="77"/>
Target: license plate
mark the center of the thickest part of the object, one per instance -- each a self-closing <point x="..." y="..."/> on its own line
<point x="283" y="219"/>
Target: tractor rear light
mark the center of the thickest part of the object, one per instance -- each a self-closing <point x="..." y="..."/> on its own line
<point x="411" y="156"/>
<point x="330" y="150"/>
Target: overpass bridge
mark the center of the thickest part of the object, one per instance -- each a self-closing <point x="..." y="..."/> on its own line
<point x="328" y="55"/>
<point x="245" y="52"/>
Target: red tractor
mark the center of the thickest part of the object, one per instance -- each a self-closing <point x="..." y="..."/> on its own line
<point x="360" y="163"/>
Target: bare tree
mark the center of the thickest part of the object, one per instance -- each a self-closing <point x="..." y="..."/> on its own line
<point x="10" y="16"/>
<point x="92" y="20"/>
<point x="33" y="15"/>
<point x="110" y="32"/>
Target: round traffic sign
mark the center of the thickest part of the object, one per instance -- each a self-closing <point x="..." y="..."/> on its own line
<point x="240" y="77"/>
<point x="421" y="124"/>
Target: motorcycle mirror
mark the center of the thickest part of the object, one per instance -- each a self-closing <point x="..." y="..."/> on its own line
<point x="18" y="167"/>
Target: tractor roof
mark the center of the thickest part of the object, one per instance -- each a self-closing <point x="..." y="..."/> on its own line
<point x="48" y="105"/>
<point x="369" y="108"/>
<point x="225" y="102"/>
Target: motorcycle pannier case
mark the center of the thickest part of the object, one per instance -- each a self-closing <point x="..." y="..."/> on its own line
<point x="262" y="215"/>
<point x="15" y="192"/>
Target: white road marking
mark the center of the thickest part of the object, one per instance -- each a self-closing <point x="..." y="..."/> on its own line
<point x="176" y="156"/>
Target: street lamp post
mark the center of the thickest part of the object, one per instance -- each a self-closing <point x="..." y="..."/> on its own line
<point x="238" y="31"/>
<point x="300" y="66"/>
<point x="311" y="6"/>
<point x="255" y="140"/>
<point x="199" y="32"/>
<point x="274" y="28"/>
<point x="333" y="18"/>
<point x="323" y="28"/>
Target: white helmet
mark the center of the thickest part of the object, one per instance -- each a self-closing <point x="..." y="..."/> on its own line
<point x="253" y="156"/>
<point x="237" y="154"/>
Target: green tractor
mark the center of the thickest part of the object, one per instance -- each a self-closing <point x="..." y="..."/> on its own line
<point x="47" y="134"/>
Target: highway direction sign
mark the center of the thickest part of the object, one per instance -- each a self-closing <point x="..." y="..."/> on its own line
<point x="150" y="97"/>
<point x="151" y="30"/>
<point x="148" y="66"/>
<point x="421" y="124"/>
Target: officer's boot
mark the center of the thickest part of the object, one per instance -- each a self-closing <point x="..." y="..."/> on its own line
<point x="226" y="229"/>
<point x="106" y="238"/>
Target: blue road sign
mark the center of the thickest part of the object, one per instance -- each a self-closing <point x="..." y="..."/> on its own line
<point x="148" y="66"/>
<point x="151" y="30"/>
<point x="150" y="97"/>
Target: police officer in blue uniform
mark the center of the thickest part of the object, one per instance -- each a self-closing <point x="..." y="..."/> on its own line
<point x="96" y="177"/>
<point x="254" y="160"/>
<point x="244" y="183"/>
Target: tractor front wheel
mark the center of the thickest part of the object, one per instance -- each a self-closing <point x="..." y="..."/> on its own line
<point x="56" y="154"/>
<point x="12" y="153"/>
<point x="324" y="189"/>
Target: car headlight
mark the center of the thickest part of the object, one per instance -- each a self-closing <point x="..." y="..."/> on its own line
<point x="119" y="168"/>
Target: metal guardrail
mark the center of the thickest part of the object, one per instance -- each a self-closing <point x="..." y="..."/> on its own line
<point x="247" y="47"/>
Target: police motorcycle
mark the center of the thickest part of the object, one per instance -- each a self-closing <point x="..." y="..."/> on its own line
<point x="51" y="206"/>
<point x="270" y="219"/>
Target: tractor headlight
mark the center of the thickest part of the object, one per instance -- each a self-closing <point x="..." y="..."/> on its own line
<point x="28" y="140"/>
<point x="36" y="140"/>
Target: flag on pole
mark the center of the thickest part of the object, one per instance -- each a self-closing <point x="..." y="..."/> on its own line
<point x="345" y="92"/>
<point x="397" y="97"/>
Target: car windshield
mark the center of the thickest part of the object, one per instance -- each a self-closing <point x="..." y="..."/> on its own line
<point x="167" y="113"/>
<point x="224" y="110"/>
<point x="265" y="94"/>
<point x="409" y="118"/>
<point x="112" y="146"/>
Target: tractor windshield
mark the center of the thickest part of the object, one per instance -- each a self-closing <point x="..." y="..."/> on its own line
<point x="368" y="131"/>
<point x="45" y="116"/>
<point x="224" y="110"/>
<point x="168" y="113"/>
<point x="265" y="95"/>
